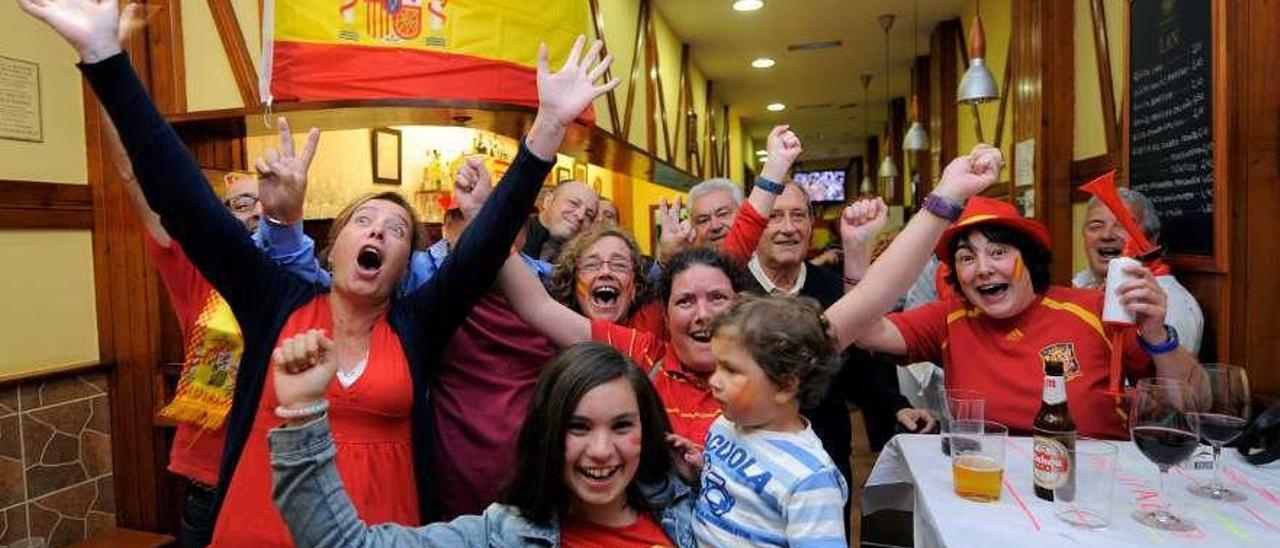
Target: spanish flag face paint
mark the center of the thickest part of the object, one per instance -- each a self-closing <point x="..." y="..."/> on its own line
<point x="1018" y="269"/>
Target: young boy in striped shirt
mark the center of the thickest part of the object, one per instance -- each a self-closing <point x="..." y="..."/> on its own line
<point x="766" y="480"/>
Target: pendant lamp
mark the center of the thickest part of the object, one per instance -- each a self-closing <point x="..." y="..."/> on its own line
<point x="916" y="139"/>
<point x="978" y="84"/>
<point x="888" y="169"/>
<point x="864" y="187"/>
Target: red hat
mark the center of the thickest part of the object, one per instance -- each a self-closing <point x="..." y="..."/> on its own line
<point x="988" y="211"/>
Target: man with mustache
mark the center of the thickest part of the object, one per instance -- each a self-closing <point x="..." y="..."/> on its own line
<point x="1104" y="239"/>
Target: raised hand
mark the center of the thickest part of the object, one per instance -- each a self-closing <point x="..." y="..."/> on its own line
<point x="969" y="175"/>
<point x="282" y="175"/>
<point x="1146" y="300"/>
<point x="677" y="235"/>
<point x="783" y="147"/>
<point x="471" y="185"/>
<point x="862" y="220"/>
<point x="91" y="27"/>
<point x="304" y="364"/>
<point x="565" y="94"/>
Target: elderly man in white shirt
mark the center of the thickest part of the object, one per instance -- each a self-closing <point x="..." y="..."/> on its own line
<point x="1104" y="239"/>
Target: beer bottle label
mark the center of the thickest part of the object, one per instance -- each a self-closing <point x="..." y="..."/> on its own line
<point x="1052" y="462"/>
<point x="1055" y="390"/>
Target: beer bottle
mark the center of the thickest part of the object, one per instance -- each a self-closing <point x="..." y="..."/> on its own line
<point x="1054" y="440"/>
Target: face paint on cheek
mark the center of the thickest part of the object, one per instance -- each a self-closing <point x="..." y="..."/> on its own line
<point x="743" y="397"/>
<point x="580" y="290"/>
<point x="1017" y="268"/>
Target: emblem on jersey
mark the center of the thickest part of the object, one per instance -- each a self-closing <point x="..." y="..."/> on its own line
<point x="1064" y="353"/>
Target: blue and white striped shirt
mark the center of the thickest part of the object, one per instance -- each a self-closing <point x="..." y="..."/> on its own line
<point x="765" y="488"/>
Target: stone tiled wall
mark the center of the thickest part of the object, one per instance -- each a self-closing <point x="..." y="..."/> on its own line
<point x="55" y="459"/>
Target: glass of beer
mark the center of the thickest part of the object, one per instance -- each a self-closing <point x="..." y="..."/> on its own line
<point x="977" y="459"/>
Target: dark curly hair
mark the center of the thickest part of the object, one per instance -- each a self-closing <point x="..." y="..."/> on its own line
<point x="788" y="338"/>
<point x="536" y="486"/>
<point x="563" y="279"/>
<point x="705" y="256"/>
<point x="1036" y="258"/>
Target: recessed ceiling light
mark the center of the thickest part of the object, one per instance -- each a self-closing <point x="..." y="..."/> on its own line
<point x="776" y="107"/>
<point x="763" y="62"/>
<point x="748" y="5"/>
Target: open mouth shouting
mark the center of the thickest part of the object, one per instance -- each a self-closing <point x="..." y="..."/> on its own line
<point x="369" y="262"/>
<point x="700" y="336"/>
<point x="1108" y="252"/>
<point x="992" y="291"/>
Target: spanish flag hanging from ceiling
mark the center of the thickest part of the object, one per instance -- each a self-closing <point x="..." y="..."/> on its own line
<point x="475" y="50"/>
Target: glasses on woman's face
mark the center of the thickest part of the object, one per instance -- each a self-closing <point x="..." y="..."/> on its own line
<point x="242" y="203"/>
<point x="617" y="265"/>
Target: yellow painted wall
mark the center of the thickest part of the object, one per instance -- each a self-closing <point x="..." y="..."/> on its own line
<point x="997" y="20"/>
<point x="1078" y="259"/>
<point x="61" y="157"/>
<point x="46" y="288"/>
<point x="49" y="317"/>
<point x="1089" y="139"/>
<point x="210" y="83"/>
<point x="643" y="195"/>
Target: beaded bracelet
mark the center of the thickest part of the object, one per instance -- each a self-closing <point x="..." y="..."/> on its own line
<point x="851" y="281"/>
<point x="297" y="412"/>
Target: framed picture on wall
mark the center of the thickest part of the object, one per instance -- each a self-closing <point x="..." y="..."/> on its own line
<point x="385" y="144"/>
<point x="580" y="172"/>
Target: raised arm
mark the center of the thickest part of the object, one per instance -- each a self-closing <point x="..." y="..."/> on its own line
<point x="859" y="314"/>
<point x="783" y="147"/>
<point x="173" y="184"/>
<point x="472" y="267"/>
<point x="537" y="308"/>
<point x="150" y="221"/>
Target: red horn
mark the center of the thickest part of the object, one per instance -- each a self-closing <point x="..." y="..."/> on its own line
<point x="1104" y="187"/>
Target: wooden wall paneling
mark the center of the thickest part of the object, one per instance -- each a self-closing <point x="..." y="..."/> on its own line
<point x="165" y="74"/>
<point x="224" y="18"/>
<point x="944" y="77"/>
<point x="1252" y="31"/>
<point x="1006" y="79"/>
<point x="1043" y="63"/>
<point x="637" y="49"/>
<point x="682" y="117"/>
<point x="26" y="204"/>
<point x="896" y="129"/>
<point x="924" y="103"/>
<point x="654" y="70"/>
<point x="611" y="98"/>
<point x="1106" y="88"/>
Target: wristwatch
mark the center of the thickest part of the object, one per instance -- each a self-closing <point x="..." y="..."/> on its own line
<point x="1169" y="345"/>
<point x="769" y="186"/>
<point x="943" y="206"/>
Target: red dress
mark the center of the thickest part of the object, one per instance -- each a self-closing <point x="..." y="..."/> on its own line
<point x="371" y="431"/>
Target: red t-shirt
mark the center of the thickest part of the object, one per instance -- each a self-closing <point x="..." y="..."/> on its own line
<point x="1003" y="358"/>
<point x="644" y="533"/>
<point x="690" y="407"/>
<point x="196" y="452"/>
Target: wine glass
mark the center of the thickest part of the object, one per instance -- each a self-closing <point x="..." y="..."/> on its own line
<point x="1222" y="405"/>
<point x="1166" y="431"/>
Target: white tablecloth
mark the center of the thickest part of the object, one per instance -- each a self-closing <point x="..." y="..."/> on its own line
<point x="913" y="475"/>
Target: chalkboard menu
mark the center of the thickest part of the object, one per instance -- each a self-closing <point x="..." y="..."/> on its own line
<point x="1171" y="118"/>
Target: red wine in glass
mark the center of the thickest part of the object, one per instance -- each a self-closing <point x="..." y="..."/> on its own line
<point x="1165" y="446"/>
<point x="1216" y="428"/>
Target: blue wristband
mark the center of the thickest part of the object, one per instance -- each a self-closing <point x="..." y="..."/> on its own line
<point x="769" y="186"/>
<point x="1169" y="345"/>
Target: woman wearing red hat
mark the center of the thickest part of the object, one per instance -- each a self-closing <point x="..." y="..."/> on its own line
<point x="1005" y="317"/>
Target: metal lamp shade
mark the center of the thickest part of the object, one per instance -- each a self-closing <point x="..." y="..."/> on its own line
<point x="865" y="186"/>
<point x="916" y="139"/>
<point x="888" y="169"/>
<point x="978" y="84"/>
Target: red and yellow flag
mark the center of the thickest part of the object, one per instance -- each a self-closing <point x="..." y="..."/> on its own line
<point x="476" y="50"/>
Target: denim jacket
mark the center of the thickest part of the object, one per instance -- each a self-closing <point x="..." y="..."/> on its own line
<point x="315" y="507"/>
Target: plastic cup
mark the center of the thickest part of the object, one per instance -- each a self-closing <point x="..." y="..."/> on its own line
<point x="1086" y="501"/>
<point x="962" y="405"/>
<point x="977" y="459"/>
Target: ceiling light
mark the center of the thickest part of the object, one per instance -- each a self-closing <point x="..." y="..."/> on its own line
<point x="761" y="152"/>
<point x="763" y="62"/>
<point x="776" y="107"/>
<point x="748" y="5"/>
